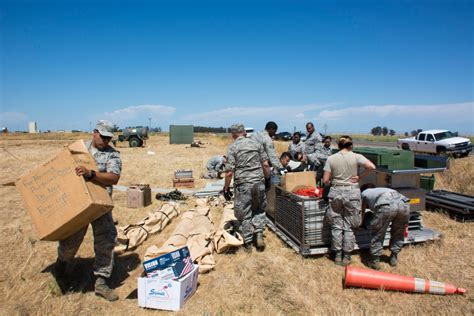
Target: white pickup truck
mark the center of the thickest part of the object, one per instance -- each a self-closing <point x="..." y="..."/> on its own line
<point x="436" y="141"/>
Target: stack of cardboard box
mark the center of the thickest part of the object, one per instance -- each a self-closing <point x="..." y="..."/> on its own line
<point x="183" y="179"/>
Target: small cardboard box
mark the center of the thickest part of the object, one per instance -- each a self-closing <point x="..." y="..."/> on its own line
<point x="167" y="294"/>
<point x="178" y="260"/>
<point x="187" y="183"/>
<point x="60" y="202"/>
<point x="294" y="180"/>
<point x="138" y="195"/>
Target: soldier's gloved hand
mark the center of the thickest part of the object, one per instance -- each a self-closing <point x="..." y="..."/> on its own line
<point x="228" y="194"/>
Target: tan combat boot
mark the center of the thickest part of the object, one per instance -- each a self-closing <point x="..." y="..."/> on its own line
<point x="393" y="260"/>
<point x="103" y="290"/>
<point x="374" y="263"/>
<point x="346" y="259"/>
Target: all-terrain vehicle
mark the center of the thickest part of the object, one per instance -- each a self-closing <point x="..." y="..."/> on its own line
<point x="135" y="136"/>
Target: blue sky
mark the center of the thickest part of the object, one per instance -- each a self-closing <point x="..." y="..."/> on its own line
<point x="351" y="65"/>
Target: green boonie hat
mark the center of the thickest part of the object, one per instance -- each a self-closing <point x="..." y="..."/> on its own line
<point x="105" y="128"/>
<point x="237" y="128"/>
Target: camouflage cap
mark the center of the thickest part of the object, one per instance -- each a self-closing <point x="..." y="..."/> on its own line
<point x="237" y="128"/>
<point x="105" y="128"/>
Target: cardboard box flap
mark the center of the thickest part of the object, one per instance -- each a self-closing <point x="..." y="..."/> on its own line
<point x="78" y="147"/>
<point x="298" y="179"/>
<point x="81" y="156"/>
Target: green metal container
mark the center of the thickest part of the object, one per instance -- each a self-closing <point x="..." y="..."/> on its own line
<point x="181" y="134"/>
<point x="391" y="159"/>
<point x="427" y="182"/>
<point x="429" y="161"/>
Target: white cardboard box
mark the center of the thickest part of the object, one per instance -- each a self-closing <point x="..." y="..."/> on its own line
<point x="167" y="294"/>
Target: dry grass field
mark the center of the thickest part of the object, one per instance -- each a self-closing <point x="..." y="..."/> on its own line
<point x="275" y="282"/>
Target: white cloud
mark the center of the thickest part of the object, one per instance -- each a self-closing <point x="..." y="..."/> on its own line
<point x="456" y="116"/>
<point x="139" y="115"/>
<point x="453" y="110"/>
<point x="254" y="115"/>
<point x="13" y="120"/>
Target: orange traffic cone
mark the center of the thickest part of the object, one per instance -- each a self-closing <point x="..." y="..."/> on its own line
<point x="372" y="279"/>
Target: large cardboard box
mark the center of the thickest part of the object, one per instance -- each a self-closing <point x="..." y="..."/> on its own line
<point x="167" y="294"/>
<point x="60" y="202"/>
<point x="294" y="180"/>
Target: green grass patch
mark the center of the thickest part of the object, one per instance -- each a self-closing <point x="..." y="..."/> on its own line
<point x="372" y="138"/>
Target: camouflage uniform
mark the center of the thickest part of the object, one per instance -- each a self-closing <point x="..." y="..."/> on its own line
<point x="266" y="141"/>
<point x="105" y="233"/>
<point x="343" y="215"/>
<point x="214" y="165"/>
<point x="295" y="148"/>
<point x="310" y="147"/>
<point x="388" y="206"/>
<point x="344" y="199"/>
<point x="244" y="159"/>
<point x="322" y="153"/>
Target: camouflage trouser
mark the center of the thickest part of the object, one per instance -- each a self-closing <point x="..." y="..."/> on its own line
<point x="105" y="235"/>
<point x="212" y="174"/>
<point x="313" y="159"/>
<point x="343" y="214"/>
<point x="249" y="209"/>
<point x="397" y="212"/>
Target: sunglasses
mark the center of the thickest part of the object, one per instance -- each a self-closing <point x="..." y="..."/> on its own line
<point x="104" y="138"/>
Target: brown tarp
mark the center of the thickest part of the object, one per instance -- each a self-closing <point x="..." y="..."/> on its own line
<point x="195" y="230"/>
<point x="226" y="236"/>
<point x="131" y="236"/>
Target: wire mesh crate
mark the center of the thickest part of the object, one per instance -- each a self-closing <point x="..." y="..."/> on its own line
<point x="300" y="222"/>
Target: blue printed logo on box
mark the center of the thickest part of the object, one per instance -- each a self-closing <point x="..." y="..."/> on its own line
<point x="179" y="260"/>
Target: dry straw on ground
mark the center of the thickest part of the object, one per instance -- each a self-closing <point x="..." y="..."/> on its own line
<point x="277" y="281"/>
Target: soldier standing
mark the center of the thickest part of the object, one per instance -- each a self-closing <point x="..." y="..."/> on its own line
<point x="264" y="138"/>
<point x="312" y="141"/>
<point x="388" y="206"/>
<point x="341" y="171"/>
<point x="323" y="151"/>
<point x="247" y="163"/>
<point x="108" y="171"/>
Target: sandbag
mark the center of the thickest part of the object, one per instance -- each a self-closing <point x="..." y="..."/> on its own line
<point x="195" y="230"/>
<point x="227" y="236"/>
<point x="131" y="236"/>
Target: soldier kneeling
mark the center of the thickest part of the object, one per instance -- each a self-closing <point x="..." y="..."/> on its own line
<point x="388" y="206"/>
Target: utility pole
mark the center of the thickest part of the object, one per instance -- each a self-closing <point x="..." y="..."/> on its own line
<point x="90" y="127"/>
<point x="149" y="123"/>
<point x="325" y="126"/>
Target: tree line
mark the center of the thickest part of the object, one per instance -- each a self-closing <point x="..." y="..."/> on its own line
<point x="378" y="131"/>
<point x="207" y="129"/>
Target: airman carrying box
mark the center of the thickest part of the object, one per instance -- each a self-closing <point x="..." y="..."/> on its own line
<point x="60" y="202"/>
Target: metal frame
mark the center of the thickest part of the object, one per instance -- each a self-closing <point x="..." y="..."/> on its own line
<point x="308" y="239"/>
